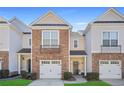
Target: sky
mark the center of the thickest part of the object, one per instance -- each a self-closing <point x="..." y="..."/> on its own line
<point x="78" y="17"/>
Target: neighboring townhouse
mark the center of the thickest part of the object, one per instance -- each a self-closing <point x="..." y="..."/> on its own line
<point x="50" y="46"/>
<point x="105" y="45"/>
<point x="77" y="54"/>
<point x="10" y="43"/>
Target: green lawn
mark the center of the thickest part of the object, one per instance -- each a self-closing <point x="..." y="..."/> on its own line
<point x="17" y="82"/>
<point x="90" y="83"/>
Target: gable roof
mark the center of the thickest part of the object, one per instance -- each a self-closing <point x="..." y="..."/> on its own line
<point x="118" y="19"/>
<point x="110" y="15"/>
<point x="18" y="24"/>
<point x="3" y="20"/>
<point x="50" y="19"/>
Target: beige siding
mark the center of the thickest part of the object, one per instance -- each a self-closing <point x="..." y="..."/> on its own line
<point x="50" y="18"/>
<point x="25" y="41"/>
<point x="110" y="16"/>
<point x="80" y="38"/>
<point x="96" y="38"/>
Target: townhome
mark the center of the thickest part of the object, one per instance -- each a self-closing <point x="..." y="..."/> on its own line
<point x="78" y="55"/>
<point x="10" y="43"/>
<point x="105" y="45"/>
<point x="50" y="46"/>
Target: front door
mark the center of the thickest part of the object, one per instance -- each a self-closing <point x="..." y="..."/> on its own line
<point x="75" y="68"/>
<point x="29" y="65"/>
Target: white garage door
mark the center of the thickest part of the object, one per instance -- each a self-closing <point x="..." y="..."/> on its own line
<point x="110" y="69"/>
<point x="50" y="69"/>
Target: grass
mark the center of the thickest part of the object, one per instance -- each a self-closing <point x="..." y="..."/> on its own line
<point x="16" y="82"/>
<point x="90" y="83"/>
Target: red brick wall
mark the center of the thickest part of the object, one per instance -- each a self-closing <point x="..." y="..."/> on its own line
<point x="106" y="56"/>
<point x="38" y="54"/>
<point x="5" y="57"/>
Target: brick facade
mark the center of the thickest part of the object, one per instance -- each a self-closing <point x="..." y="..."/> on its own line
<point x="5" y="56"/>
<point x="50" y="54"/>
<point x="106" y="56"/>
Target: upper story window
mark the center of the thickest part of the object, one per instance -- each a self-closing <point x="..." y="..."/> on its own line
<point x="75" y="44"/>
<point x="50" y="39"/>
<point x="110" y="39"/>
<point x="29" y="42"/>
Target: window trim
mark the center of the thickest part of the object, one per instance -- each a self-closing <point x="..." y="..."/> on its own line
<point x="110" y="31"/>
<point x="77" y="43"/>
<point x="50" y="37"/>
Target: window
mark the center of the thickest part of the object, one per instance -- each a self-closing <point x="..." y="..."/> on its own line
<point x="110" y="39"/>
<point x="29" y="42"/>
<point x="75" y="43"/>
<point x="50" y="39"/>
<point x="51" y="62"/>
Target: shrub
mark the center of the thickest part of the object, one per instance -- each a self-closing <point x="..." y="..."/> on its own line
<point x="92" y="76"/>
<point x="4" y="73"/>
<point x="33" y="76"/>
<point x="67" y="75"/>
<point x="24" y="74"/>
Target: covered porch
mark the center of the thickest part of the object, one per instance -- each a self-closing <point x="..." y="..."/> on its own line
<point x="24" y="60"/>
<point x="78" y="62"/>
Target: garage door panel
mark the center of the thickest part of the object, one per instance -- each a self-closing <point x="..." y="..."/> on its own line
<point x="110" y="69"/>
<point x="50" y="70"/>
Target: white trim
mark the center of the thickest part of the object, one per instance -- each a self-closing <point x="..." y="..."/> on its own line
<point x="1" y="63"/>
<point x="72" y="67"/>
<point x="31" y="51"/>
<point x="110" y="60"/>
<point x="69" y="50"/>
<point x="19" y="63"/>
<point x="50" y="31"/>
<point x="85" y="66"/>
<point x="24" y="53"/>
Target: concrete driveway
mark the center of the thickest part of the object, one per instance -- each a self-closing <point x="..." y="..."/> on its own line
<point x="47" y="82"/>
<point x="115" y="82"/>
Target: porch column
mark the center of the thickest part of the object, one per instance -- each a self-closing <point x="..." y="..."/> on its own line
<point x="85" y="66"/>
<point x="19" y="63"/>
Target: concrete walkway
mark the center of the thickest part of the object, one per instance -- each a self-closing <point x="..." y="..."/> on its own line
<point x="78" y="78"/>
<point x="115" y="82"/>
<point x="47" y="82"/>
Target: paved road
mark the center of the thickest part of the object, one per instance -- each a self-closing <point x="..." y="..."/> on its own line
<point x="115" y="82"/>
<point x="47" y="82"/>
